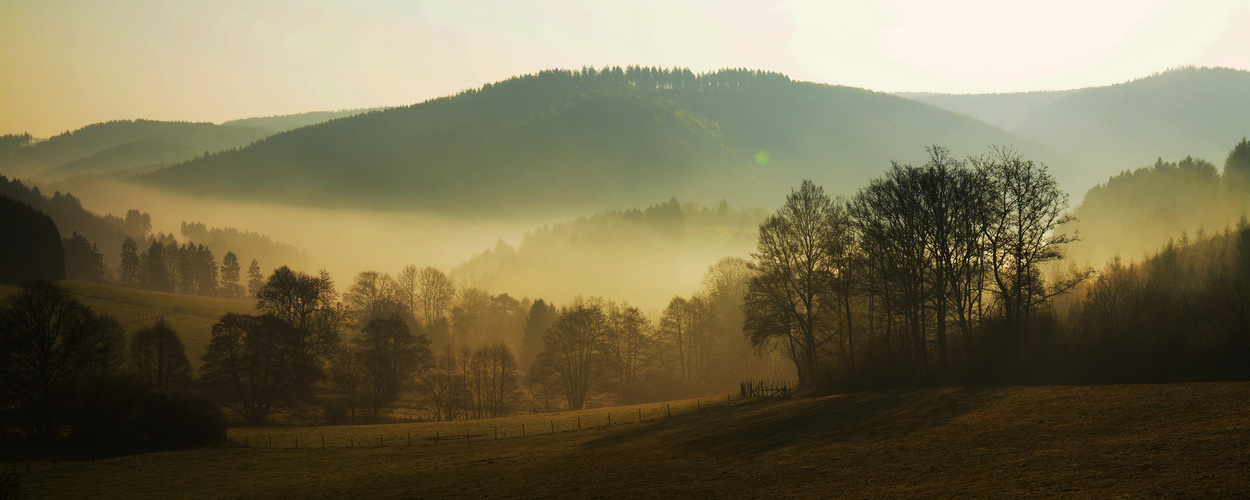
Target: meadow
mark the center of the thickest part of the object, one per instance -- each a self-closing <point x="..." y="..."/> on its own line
<point x="1187" y="440"/>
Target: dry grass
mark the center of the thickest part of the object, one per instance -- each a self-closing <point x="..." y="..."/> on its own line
<point x="1136" y="440"/>
<point x="191" y="316"/>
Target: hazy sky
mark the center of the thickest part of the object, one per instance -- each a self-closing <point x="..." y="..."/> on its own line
<point x="67" y="64"/>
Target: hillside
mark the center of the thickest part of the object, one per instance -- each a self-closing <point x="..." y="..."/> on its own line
<point x="592" y="140"/>
<point x="192" y="317"/>
<point x="1010" y="442"/>
<point x="1178" y="113"/>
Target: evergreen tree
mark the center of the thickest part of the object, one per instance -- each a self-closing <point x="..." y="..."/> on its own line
<point x="230" y="276"/>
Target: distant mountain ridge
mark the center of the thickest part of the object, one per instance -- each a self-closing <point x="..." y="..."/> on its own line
<point x="1183" y="112"/>
<point x="128" y="147"/>
<point x="590" y="140"/>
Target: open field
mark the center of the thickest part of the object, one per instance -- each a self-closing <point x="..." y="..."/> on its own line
<point x="191" y="316"/>
<point x="1126" y="440"/>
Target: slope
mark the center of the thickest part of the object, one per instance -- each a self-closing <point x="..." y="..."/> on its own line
<point x="591" y="140"/>
<point x="1127" y="440"/>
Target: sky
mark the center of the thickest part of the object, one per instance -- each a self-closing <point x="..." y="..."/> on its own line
<point x="67" y="64"/>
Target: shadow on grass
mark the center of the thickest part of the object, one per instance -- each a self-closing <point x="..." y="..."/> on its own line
<point x="757" y="427"/>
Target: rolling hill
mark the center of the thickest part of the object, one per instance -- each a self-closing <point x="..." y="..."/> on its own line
<point x="590" y="140"/>
<point x="1195" y="112"/>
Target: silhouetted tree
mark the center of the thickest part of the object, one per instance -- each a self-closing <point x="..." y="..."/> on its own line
<point x="47" y="340"/>
<point x="83" y="260"/>
<point x="392" y="357"/>
<point x="230" y="287"/>
<point x="791" y="299"/>
<point x="255" y="362"/>
<point x="435" y="295"/>
<point x="255" y="279"/>
<point x="155" y="268"/>
<point x="540" y="317"/>
<point x="373" y="295"/>
<point x="158" y="357"/>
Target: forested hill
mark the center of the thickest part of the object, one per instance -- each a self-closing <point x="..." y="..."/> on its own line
<point x="592" y="139"/>
<point x="1184" y="112"/>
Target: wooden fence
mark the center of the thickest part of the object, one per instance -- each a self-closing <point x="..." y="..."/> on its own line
<point x="766" y="389"/>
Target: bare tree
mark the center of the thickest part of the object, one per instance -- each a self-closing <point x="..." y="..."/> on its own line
<point x="434" y="296"/>
<point x="576" y="349"/>
<point x="1026" y="209"/>
<point x="790" y="299"/>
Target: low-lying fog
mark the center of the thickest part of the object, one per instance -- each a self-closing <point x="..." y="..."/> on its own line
<point x="646" y="272"/>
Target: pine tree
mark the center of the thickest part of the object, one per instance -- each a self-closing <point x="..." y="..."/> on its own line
<point x="130" y="263"/>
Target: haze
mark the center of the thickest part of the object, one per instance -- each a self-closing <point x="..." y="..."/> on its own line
<point x="67" y="64"/>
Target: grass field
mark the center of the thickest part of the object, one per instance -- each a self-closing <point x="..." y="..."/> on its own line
<point x="1186" y="440"/>
<point x="191" y="316"/>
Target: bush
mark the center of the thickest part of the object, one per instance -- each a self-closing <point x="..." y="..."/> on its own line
<point x="179" y="420"/>
<point x="336" y="414"/>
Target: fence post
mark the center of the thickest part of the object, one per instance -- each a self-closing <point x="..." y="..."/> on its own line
<point x="270" y="445"/>
<point x="323" y="441"/>
<point x="640" y="414"/>
<point x="380" y="444"/>
<point x="435" y="437"/>
<point x="297" y="442"/>
<point x="553" y="426"/>
<point x="409" y="438"/>
<point x="496" y="434"/>
<point x="522" y="430"/>
<point x="609" y="418"/>
<point x="730" y="399"/>
<point x="668" y="409"/>
<point x="579" y="422"/>
<point x="351" y="441"/>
